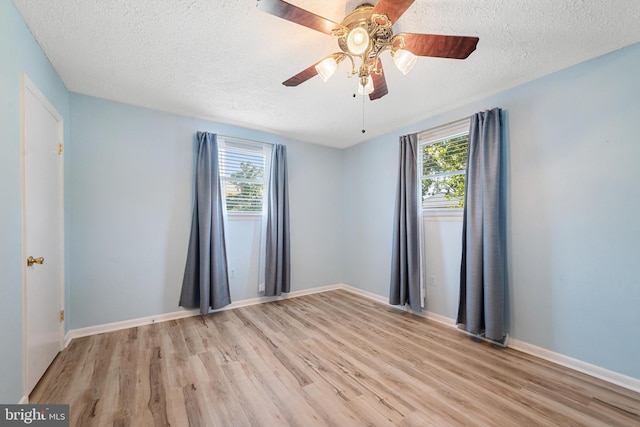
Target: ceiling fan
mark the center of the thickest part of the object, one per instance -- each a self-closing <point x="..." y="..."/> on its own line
<point x="365" y="33"/>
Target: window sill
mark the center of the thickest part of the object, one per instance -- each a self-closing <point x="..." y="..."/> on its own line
<point x="443" y="214"/>
<point x="237" y="216"/>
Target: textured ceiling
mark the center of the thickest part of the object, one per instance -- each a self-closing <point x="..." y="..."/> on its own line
<point x="225" y="60"/>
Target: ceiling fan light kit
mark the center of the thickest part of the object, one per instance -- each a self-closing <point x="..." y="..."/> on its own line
<point x="366" y="88"/>
<point x="358" y="41"/>
<point x="326" y="68"/>
<point x="404" y="60"/>
<point x="362" y="36"/>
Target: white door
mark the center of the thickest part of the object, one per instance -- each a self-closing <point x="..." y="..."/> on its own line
<point x="42" y="232"/>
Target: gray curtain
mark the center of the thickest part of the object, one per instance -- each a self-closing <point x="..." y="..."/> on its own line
<point x="405" y="264"/>
<point x="482" y="271"/>
<point x="278" y="254"/>
<point x="206" y="282"/>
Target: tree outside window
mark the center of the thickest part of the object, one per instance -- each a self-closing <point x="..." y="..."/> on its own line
<point x="245" y="188"/>
<point x="242" y="174"/>
<point x="443" y="172"/>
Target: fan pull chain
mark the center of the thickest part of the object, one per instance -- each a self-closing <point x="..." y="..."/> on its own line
<point x="363" y="130"/>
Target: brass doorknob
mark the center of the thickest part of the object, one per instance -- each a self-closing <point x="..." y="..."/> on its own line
<point x="31" y="260"/>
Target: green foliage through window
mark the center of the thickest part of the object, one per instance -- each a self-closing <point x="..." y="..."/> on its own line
<point x="243" y="193"/>
<point x="242" y="172"/>
<point x="443" y="171"/>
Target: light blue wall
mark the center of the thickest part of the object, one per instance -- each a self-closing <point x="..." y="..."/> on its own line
<point x="19" y="53"/>
<point x="573" y="155"/>
<point x="369" y="188"/>
<point x="572" y="161"/>
<point x="130" y="180"/>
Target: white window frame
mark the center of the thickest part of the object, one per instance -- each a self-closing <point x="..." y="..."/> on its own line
<point x="239" y="144"/>
<point x="431" y="136"/>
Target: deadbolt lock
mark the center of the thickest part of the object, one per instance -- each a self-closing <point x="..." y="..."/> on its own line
<point x="31" y="260"/>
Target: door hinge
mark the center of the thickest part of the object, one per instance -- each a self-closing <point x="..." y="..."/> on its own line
<point x="62" y="315"/>
<point x="60" y="148"/>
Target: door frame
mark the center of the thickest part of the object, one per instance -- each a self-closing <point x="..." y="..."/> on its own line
<point x="27" y="85"/>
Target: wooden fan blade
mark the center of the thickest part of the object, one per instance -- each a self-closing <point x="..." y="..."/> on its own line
<point x="379" y="84"/>
<point x="456" y="47"/>
<point x="298" y="15"/>
<point x="302" y="76"/>
<point x="392" y="8"/>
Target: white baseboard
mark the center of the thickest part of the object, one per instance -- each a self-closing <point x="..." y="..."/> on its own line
<point x="426" y="314"/>
<point x="447" y="321"/>
<point x="365" y="294"/>
<point x="125" y="324"/>
<point x="560" y="359"/>
<point x="141" y="321"/>
<point x="577" y="365"/>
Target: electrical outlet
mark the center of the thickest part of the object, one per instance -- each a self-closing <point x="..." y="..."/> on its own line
<point x="233" y="273"/>
<point x="432" y="280"/>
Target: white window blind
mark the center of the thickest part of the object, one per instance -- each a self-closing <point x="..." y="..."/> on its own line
<point x="442" y="165"/>
<point x="243" y="170"/>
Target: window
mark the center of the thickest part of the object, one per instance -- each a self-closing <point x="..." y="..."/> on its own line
<point x="442" y="165"/>
<point x="243" y="172"/>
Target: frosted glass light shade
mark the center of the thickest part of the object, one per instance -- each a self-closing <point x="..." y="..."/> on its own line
<point x="326" y="68"/>
<point x="366" y="89"/>
<point x="358" y="41"/>
<point x="404" y="60"/>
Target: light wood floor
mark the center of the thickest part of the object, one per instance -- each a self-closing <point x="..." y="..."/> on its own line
<point x="329" y="359"/>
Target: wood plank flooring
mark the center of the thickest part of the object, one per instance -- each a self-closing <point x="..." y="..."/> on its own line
<point x="328" y="359"/>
